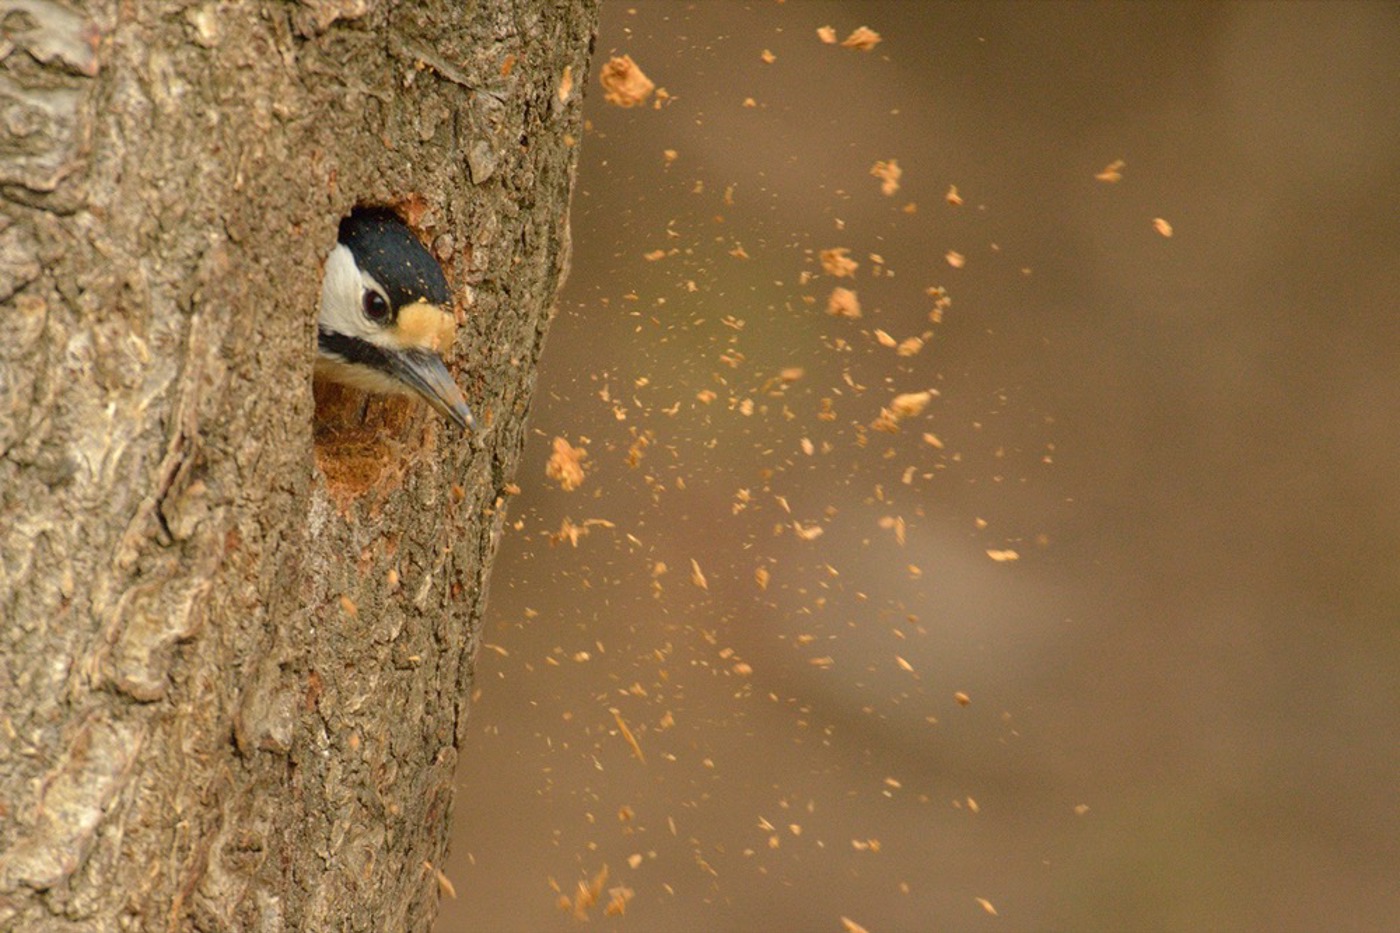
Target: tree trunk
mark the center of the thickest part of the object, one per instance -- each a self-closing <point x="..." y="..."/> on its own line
<point x="236" y="652"/>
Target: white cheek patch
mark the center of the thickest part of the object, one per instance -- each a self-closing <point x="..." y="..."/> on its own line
<point x="341" y="291"/>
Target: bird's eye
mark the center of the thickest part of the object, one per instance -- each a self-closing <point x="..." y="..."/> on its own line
<point x="376" y="306"/>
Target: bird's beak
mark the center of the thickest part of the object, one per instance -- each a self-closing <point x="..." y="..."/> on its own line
<point x="427" y="330"/>
<point x="423" y="372"/>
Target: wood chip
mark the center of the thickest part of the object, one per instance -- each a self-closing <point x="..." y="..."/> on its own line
<point x="863" y="38"/>
<point x="1112" y="172"/>
<point x="843" y="303"/>
<point x="565" y="465"/>
<point x="837" y="261"/>
<point x="623" y="82"/>
<point x="889" y="174"/>
<point x="631" y="739"/>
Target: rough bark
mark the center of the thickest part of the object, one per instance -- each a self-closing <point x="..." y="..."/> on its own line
<point x="236" y="651"/>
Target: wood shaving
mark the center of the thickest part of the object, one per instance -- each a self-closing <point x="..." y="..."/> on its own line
<point x="889" y="174"/>
<point x="1164" y="228"/>
<point x="588" y="894"/>
<point x="843" y="303"/>
<point x="623" y="82"/>
<point x="863" y="38"/>
<point x="909" y="404"/>
<point x="631" y="739"/>
<point x="837" y="262"/>
<point x="952" y="197"/>
<point x="565" y="465"/>
<point x="570" y="532"/>
<point x="1112" y="172"/>
<point x="827" y="35"/>
<point x="618" y="898"/>
<point x="445" y="885"/>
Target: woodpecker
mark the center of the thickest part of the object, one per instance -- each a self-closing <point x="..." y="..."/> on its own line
<point x="385" y="318"/>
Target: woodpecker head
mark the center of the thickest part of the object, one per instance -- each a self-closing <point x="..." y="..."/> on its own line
<point x="385" y="321"/>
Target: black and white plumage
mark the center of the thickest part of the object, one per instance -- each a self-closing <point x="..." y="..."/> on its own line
<point x="385" y="320"/>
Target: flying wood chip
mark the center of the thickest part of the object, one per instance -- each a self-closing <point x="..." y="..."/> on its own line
<point x="1112" y="172"/>
<point x="910" y="404"/>
<point x="863" y="38"/>
<point x="843" y="303"/>
<point x="624" y="84"/>
<point x="889" y="174"/>
<point x="566" y="464"/>
<point x="838" y="262"/>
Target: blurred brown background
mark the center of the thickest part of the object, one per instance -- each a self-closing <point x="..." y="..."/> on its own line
<point x="1190" y="442"/>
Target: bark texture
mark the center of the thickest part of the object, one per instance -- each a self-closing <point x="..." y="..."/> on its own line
<point x="236" y="648"/>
